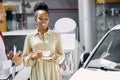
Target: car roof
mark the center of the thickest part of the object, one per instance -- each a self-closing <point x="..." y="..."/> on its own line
<point x="116" y="27"/>
<point x="18" y="32"/>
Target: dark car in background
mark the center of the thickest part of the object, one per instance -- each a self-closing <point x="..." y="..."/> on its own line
<point x="15" y="38"/>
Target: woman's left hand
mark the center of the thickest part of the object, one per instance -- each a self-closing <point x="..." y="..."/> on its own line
<point x="54" y="57"/>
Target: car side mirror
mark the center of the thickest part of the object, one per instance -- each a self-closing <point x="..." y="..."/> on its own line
<point x="83" y="58"/>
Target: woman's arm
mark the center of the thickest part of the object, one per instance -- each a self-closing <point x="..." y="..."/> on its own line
<point x="27" y="53"/>
<point x="60" y="56"/>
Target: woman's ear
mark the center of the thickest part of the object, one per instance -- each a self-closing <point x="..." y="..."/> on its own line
<point x="35" y="20"/>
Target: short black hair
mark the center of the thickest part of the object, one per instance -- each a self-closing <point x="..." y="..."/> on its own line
<point x="41" y="6"/>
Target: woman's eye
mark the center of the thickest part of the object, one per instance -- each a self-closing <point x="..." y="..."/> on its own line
<point x="40" y="18"/>
<point x="43" y="18"/>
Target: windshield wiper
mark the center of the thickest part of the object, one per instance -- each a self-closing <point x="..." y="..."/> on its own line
<point x="104" y="68"/>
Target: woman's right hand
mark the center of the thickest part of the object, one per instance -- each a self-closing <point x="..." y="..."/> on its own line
<point x="36" y="55"/>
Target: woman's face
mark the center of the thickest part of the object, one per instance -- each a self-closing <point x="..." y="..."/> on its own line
<point x="42" y="19"/>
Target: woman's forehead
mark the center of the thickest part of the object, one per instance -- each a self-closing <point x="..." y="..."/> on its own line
<point x="42" y="13"/>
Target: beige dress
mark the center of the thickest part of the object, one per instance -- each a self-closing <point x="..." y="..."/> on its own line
<point x="42" y="69"/>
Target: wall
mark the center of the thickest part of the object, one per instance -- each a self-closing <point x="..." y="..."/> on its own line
<point x="58" y="10"/>
<point x="54" y="16"/>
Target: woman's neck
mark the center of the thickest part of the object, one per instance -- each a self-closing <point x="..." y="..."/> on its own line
<point x="42" y="31"/>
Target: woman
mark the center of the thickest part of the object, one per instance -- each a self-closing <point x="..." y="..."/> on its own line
<point x="43" y="39"/>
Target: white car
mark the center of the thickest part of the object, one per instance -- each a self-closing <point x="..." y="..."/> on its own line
<point x="103" y="63"/>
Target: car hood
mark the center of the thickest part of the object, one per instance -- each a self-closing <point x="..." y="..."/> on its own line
<point x="85" y="74"/>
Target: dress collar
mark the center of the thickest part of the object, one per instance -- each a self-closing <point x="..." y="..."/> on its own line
<point x="37" y="32"/>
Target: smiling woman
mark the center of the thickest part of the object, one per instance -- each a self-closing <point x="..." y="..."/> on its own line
<point x="39" y="42"/>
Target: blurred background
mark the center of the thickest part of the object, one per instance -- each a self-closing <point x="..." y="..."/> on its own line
<point x="93" y="18"/>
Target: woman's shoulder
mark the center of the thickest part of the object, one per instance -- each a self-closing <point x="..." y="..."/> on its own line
<point x="55" y="34"/>
<point x="33" y="33"/>
<point x="30" y="35"/>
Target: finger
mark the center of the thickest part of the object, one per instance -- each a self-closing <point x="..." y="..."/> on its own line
<point x="19" y="51"/>
<point x="39" y="51"/>
<point x="17" y="54"/>
<point x="54" y="57"/>
<point x="49" y="60"/>
<point x="11" y="52"/>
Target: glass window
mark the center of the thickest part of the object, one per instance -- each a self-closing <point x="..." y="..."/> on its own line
<point x="108" y="53"/>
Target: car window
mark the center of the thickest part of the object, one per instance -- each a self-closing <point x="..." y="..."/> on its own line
<point x="14" y="40"/>
<point x="108" y="53"/>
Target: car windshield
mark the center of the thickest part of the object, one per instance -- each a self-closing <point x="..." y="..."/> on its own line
<point x="107" y="54"/>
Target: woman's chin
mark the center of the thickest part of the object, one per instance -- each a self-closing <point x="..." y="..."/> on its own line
<point x="44" y="27"/>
